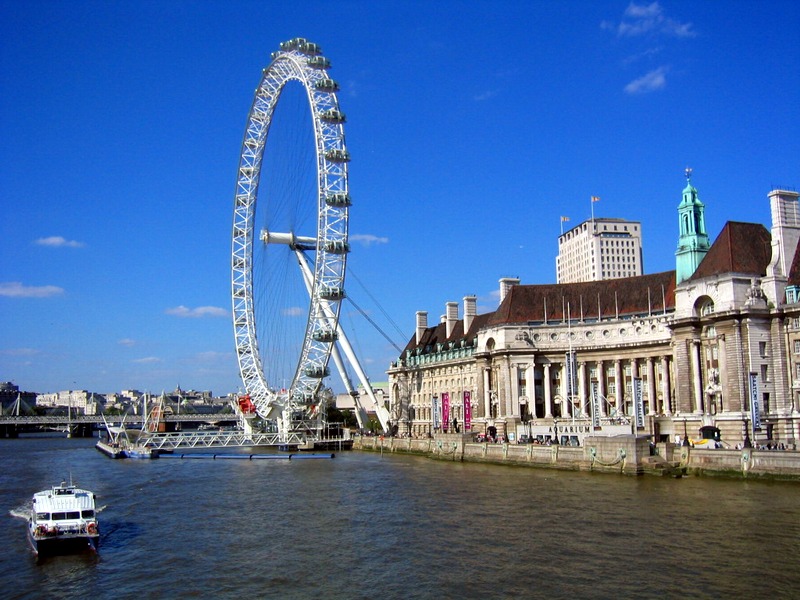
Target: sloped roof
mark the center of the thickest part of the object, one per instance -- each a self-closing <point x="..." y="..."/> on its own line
<point x="739" y="248"/>
<point x="437" y="334"/>
<point x="794" y="271"/>
<point x="644" y="294"/>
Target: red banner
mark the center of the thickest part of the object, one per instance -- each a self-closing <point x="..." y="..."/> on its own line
<point x="445" y="410"/>
<point x="467" y="410"/>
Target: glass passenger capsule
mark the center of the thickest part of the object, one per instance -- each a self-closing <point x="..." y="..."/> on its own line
<point x="339" y="199"/>
<point x="325" y="335"/>
<point x="331" y="293"/>
<point x="316" y="372"/>
<point x="318" y="62"/>
<point x="337" y="155"/>
<point x="336" y="247"/>
<point x="326" y="85"/>
<point x="332" y="115"/>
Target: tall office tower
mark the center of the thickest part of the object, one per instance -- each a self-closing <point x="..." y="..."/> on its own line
<point x="600" y="248"/>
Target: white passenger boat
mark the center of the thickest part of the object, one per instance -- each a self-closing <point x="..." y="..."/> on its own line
<point x="63" y="519"/>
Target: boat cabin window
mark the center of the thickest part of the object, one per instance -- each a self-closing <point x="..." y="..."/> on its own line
<point x="64" y="516"/>
<point x="87" y="514"/>
<point x="43" y="516"/>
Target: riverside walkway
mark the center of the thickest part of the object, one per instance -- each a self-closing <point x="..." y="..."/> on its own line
<point x="621" y="454"/>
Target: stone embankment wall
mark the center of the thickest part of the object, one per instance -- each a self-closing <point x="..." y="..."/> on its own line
<point x="624" y="454"/>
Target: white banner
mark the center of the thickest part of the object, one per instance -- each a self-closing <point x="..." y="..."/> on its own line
<point x="435" y="412"/>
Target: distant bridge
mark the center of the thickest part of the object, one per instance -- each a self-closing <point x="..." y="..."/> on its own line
<point x="60" y="421"/>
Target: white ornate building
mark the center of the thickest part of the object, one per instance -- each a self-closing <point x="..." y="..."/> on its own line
<point x="582" y="357"/>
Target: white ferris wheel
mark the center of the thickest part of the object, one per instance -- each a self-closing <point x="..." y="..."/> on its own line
<point x="289" y="249"/>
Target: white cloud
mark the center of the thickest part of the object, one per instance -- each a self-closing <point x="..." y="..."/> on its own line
<point x="212" y="356"/>
<point x="651" y="82"/>
<point x="147" y="360"/>
<point x="127" y="342"/>
<point x="485" y="95"/>
<point x="368" y="239"/>
<point x="197" y="313"/>
<point x="294" y="311"/>
<point x="56" y="241"/>
<point x="14" y="289"/>
<point x="641" y="19"/>
<point x="19" y="352"/>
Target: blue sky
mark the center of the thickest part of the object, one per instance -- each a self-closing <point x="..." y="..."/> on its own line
<point x="473" y="127"/>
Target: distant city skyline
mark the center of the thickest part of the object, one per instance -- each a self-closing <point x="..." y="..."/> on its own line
<point x="470" y="139"/>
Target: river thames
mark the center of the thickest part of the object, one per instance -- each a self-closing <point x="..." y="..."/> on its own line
<point x="366" y="525"/>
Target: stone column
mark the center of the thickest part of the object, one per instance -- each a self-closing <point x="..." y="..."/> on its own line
<point x="723" y="372"/>
<point x="582" y="389"/>
<point x="651" y="387"/>
<point x="508" y="388"/>
<point x="487" y="394"/>
<point x="665" y="386"/>
<point x="601" y="387"/>
<point x="518" y="370"/>
<point x="548" y="397"/>
<point x="532" y="390"/>
<point x="619" y="382"/>
<point x="697" y="383"/>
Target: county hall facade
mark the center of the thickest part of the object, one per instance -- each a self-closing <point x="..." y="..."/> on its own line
<point x="713" y="344"/>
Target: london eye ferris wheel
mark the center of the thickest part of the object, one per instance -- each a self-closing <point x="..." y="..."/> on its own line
<point x="290" y="238"/>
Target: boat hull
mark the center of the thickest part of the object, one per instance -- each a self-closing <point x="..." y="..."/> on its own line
<point x="110" y="451"/>
<point x="63" y="544"/>
<point x="145" y="453"/>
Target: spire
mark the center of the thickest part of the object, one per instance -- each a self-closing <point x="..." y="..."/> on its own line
<point x="693" y="239"/>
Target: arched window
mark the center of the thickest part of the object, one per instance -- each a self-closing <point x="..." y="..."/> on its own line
<point x="704" y="306"/>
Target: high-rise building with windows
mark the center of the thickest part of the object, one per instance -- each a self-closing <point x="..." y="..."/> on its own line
<point x="599" y="249"/>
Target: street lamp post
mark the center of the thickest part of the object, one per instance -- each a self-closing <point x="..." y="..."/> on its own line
<point x="685" y="434"/>
<point x="747" y="443"/>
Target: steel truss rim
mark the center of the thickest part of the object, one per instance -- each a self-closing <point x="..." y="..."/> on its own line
<point x="293" y="62"/>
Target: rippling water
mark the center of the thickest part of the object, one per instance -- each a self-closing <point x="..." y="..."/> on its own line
<point x="367" y="526"/>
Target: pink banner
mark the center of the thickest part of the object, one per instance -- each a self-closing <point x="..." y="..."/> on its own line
<point x="445" y="410"/>
<point x="467" y="411"/>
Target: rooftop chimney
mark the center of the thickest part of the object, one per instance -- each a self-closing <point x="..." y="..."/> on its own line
<point x="506" y="283"/>
<point x="470" y="310"/>
<point x="451" y="317"/>
<point x="785" y="231"/>
<point x="422" y="324"/>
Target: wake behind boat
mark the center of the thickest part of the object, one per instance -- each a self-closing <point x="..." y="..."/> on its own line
<point x="63" y="519"/>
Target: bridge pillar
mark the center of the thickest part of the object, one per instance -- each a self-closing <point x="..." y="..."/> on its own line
<point x="80" y="430"/>
<point x="9" y="431"/>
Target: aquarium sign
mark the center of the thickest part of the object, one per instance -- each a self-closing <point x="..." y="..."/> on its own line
<point x="754" y="410"/>
<point x="638" y="402"/>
